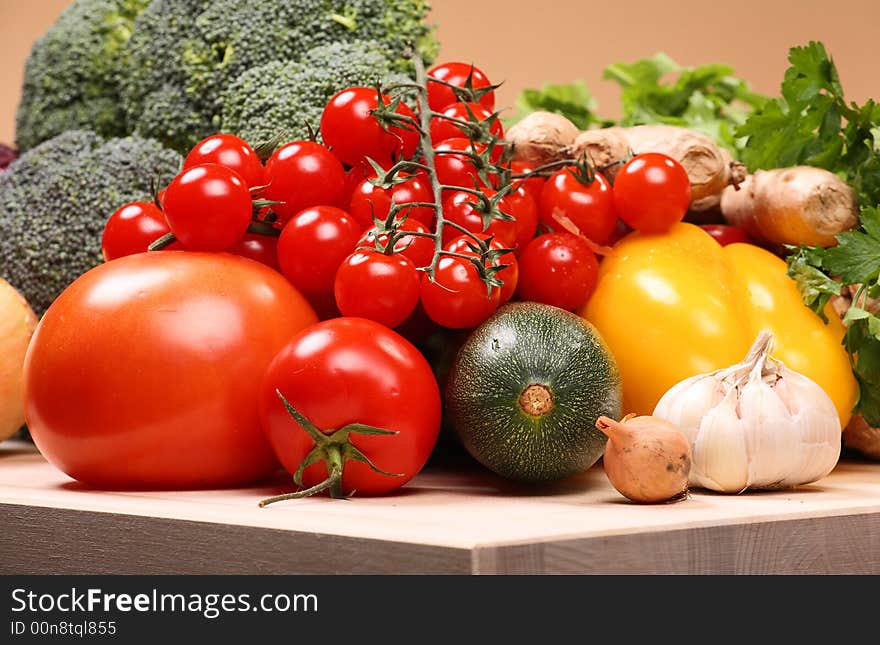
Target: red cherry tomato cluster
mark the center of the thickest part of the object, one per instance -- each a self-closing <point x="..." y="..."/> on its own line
<point x="324" y="216"/>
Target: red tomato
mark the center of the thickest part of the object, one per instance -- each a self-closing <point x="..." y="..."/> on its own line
<point x="313" y="245"/>
<point x="442" y="129"/>
<point x="417" y="248"/>
<point x="589" y="207"/>
<point x="533" y="185"/>
<point x="457" y="169"/>
<point x="131" y="229"/>
<point x="509" y="276"/>
<point x="725" y="234"/>
<point x="345" y="371"/>
<point x="458" y="207"/>
<point x="376" y="286"/>
<point x="349" y="128"/>
<point x="458" y="298"/>
<point x="144" y="373"/>
<point x="520" y="205"/>
<point x="457" y="74"/>
<point x="652" y="192"/>
<point x="208" y="207"/>
<point x="353" y="177"/>
<point x="302" y="174"/>
<point x="261" y="248"/>
<point x="368" y="201"/>
<point x="230" y="151"/>
<point x="558" y="269"/>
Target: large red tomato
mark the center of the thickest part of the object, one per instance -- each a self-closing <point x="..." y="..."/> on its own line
<point x="145" y="372"/>
<point x="345" y="371"/>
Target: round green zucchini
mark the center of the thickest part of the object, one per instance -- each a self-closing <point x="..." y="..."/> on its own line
<point x="526" y="388"/>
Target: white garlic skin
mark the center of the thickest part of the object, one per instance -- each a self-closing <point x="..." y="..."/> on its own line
<point x="755" y="425"/>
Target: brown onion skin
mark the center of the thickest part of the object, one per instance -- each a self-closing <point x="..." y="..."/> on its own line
<point x="647" y="459"/>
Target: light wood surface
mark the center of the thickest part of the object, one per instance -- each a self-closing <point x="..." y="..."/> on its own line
<point x="447" y="520"/>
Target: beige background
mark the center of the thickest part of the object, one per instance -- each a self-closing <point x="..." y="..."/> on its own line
<point x="527" y="42"/>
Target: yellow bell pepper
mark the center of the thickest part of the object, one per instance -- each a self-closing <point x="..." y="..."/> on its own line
<point x="675" y="305"/>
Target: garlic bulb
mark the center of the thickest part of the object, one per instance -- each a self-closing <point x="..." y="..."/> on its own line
<point x="755" y="425"/>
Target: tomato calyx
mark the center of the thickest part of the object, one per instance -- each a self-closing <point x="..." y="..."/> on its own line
<point x="467" y="92"/>
<point x="334" y="449"/>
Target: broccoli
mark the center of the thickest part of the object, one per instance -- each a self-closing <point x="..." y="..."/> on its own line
<point x="69" y="75"/>
<point x="56" y="198"/>
<point x="281" y="98"/>
<point x="185" y="54"/>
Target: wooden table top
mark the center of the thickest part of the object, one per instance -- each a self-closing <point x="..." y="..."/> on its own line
<point x="449" y="520"/>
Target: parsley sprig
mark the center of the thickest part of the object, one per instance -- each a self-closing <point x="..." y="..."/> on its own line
<point x="813" y="124"/>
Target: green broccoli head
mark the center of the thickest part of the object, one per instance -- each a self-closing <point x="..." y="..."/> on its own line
<point x="276" y="101"/>
<point x="56" y="198"/>
<point x="189" y="52"/>
<point x="69" y="75"/>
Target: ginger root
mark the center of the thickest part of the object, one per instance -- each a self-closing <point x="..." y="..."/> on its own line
<point x="541" y="137"/>
<point x="797" y="205"/>
<point x="859" y="436"/>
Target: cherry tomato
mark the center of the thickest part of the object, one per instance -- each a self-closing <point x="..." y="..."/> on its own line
<point x="302" y="174"/>
<point x="455" y="73"/>
<point x="368" y="201"/>
<point x="417" y="248"/>
<point x="589" y="207"/>
<point x="312" y="246"/>
<point x="353" y="177"/>
<point x="457" y="169"/>
<point x="458" y="207"/>
<point x="261" y="248"/>
<point x="652" y="192"/>
<point x="349" y="128"/>
<point x="380" y="287"/>
<point x="458" y="297"/>
<point x="208" y="207"/>
<point x="230" y="151"/>
<point x="558" y="269"/>
<point x="533" y="185"/>
<point x="725" y="234"/>
<point x="352" y="370"/>
<point x="131" y="229"/>
<point x="509" y="276"/>
<point x="145" y="372"/>
<point x="522" y="207"/>
<point x="442" y="129"/>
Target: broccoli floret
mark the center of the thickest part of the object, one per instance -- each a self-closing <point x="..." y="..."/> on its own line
<point x="280" y="98"/>
<point x="185" y="54"/>
<point x="56" y="198"/>
<point x="69" y="78"/>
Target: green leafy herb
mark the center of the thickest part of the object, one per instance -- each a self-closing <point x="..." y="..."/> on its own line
<point x="572" y="101"/>
<point x="707" y="99"/>
<point x="812" y="124"/>
<point x="854" y="261"/>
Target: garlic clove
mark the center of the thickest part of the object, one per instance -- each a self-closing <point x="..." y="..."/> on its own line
<point x="720" y="460"/>
<point x="819" y="428"/>
<point x="686" y="401"/>
<point x="772" y="438"/>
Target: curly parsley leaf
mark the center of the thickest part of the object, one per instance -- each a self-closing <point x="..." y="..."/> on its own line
<point x="812" y="124"/>
<point x="816" y="288"/>
<point x="856" y="258"/>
